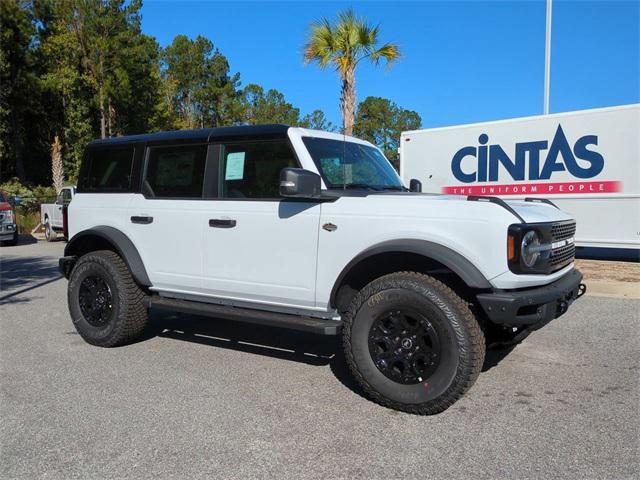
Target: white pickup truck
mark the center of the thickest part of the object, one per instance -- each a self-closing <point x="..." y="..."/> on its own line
<point x="51" y="214"/>
<point x="314" y="231"/>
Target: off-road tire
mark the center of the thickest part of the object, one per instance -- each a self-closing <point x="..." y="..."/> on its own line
<point x="462" y="339"/>
<point x="128" y="316"/>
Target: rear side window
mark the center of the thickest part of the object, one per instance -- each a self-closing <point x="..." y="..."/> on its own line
<point x="252" y="169"/>
<point x="107" y="170"/>
<point x="175" y="172"/>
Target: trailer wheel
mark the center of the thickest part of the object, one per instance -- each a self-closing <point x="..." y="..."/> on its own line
<point x="412" y="343"/>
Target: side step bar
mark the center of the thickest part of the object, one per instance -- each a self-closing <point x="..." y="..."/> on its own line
<point x="272" y="319"/>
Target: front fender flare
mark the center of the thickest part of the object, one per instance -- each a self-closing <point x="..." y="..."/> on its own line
<point x="457" y="263"/>
<point x="122" y="245"/>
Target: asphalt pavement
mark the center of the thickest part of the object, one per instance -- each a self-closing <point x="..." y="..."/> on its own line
<point x="206" y="398"/>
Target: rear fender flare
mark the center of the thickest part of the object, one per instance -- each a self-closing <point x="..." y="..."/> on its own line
<point x="122" y="245"/>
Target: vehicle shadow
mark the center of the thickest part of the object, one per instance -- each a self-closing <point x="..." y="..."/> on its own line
<point x="27" y="239"/>
<point x="19" y="275"/>
<point x="272" y="342"/>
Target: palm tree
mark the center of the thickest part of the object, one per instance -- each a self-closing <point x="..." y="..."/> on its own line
<point x="344" y="45"/>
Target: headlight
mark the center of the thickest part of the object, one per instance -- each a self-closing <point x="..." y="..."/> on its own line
<point x="530" y="248"/>
<point x="8" y="215"/>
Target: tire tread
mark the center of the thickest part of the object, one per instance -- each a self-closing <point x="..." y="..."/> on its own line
<point x="472" y="348"/>
<point x="132" y="312"/>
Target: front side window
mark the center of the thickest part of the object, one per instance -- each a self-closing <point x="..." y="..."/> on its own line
<point x="348" y="164"/>
<point x="108" y="170"/>
<point x="252" y="169"/>
<point x="175" y="172"/>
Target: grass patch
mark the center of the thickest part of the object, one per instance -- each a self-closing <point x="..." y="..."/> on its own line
<point x="27" y="221"/>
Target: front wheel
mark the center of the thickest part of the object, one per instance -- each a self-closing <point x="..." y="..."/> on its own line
<point x="412" y="344"/>
<point x="106" y="305"/>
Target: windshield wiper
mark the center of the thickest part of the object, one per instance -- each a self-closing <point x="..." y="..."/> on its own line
<point x="364" y="186"/>
<point x="397" y="188"/>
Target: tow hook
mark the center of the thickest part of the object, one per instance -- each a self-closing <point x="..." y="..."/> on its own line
<point x="561" y="308"/>
<point x="582" y="289"/>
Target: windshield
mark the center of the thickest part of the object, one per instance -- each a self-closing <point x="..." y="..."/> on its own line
<point x="3" y="199"/>
<point x="352" y="165"/>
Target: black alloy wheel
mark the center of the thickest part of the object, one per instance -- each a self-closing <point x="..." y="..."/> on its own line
<point x="404" y="346"/>
<point x="96" y="300"/>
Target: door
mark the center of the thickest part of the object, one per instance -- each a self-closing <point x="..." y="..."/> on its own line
<point x="165" y="220"/>
<point x="259" y="247"/>
<point x="64" y="197"/>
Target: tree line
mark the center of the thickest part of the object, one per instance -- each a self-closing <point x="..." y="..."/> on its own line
<point x="75" y="70"/>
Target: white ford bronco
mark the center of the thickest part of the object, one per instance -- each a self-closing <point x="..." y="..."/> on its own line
<point x="314" y="231"/>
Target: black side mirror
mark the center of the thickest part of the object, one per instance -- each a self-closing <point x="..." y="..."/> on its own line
<point x="299" y="183"/>
<point x="415" y="185"/>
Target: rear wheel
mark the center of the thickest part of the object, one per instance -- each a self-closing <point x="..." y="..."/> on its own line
<point x="49" y="233"/>
<point x="412" y="344"/>
<point x="106" y="305"/>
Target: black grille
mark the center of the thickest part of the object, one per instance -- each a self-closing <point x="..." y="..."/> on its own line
<point x="564" y="255"/>
<point x="563" y="230"/>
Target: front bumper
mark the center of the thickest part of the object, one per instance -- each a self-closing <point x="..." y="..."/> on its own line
<point x="66" y="264"/>
<point x="533" y="305"/>
<point x="7" y="231"/>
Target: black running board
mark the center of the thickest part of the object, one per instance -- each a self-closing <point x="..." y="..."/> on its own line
<point x="318" y="326"/>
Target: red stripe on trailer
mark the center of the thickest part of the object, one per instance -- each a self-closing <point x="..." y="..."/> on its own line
<point x="547" y="188"/>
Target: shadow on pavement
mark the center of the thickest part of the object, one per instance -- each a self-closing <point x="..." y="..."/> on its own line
<point x="27" y="239"/>
<point x="256" y="339"/>
<point x="272" y="342"/>
<point x="19" y="275"/>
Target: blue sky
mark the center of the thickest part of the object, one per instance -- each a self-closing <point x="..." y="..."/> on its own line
<point x="462" y="62"/>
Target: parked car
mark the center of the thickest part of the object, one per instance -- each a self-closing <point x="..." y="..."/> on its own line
<point x="313" y="231"/>
<point x="52" y="214"/>
<point x="8" y="227"/>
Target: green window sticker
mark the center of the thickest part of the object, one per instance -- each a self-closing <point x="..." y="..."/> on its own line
<point x="235" y="166"/>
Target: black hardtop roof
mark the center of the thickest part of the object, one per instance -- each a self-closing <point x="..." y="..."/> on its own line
<point x="197" y="135"/>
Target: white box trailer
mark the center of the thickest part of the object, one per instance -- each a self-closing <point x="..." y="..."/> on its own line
<point x="586" y="162"/>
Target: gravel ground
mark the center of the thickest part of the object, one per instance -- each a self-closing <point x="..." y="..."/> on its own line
<point x="202" y="398"/>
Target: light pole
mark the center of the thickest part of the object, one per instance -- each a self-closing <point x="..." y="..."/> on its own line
<point x="547" y="59"/>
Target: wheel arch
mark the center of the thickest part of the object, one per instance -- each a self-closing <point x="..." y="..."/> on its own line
<point x="416" y="255"/>
<point x="108" y="238"/>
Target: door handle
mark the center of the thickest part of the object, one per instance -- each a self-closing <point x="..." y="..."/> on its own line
<point x="141" y="220"/>
<point x="222" y="223"/>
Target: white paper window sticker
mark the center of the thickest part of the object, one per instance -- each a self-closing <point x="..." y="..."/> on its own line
<point x="348" y="173"/>
<point x="235" y="166"/>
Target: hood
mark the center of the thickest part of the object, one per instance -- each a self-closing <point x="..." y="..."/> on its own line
<point x="536" y="212"/>
<point x="531" y="212"/>
<point x="5" y="206"/>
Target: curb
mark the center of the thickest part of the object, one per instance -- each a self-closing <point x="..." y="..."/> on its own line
<point x="612" y="288"/>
